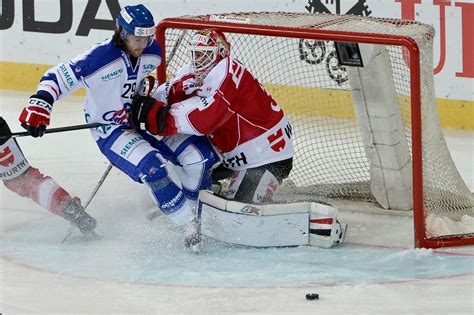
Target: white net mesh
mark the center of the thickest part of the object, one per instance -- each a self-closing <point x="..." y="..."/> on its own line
<point x="305" y="78"/>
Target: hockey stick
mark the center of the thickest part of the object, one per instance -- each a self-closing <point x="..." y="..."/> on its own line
<point x="99" y="184"/>
<point x="54" y="130"/>
<point x="94" y="192"/>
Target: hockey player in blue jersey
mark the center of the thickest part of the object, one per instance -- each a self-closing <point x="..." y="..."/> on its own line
<point x="111" y="73"/>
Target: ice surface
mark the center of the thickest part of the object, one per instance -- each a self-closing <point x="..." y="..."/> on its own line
<point x="141" y="267"/>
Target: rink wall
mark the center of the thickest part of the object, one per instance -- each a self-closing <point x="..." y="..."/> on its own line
<point x="36" y="34"/>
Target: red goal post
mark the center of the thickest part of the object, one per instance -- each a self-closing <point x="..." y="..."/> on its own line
<point x="326" y="28"/>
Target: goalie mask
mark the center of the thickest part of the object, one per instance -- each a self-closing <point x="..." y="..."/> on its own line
<point x="136" y="20"/>
<point x="207" y="48"/>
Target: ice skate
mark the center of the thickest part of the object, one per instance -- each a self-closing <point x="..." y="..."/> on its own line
<point x="153" y="213"/>
<point x="192" y="236"/>
<point x="75" y="213"/>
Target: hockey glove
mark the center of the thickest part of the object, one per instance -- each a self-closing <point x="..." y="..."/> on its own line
<point x="185" y="88"/>
<point x="35" y="117"/>
<point x="149" y="114"/>
<point x="4" y="131"/>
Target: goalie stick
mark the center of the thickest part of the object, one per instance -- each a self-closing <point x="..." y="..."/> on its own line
<point x="94" y="192"/>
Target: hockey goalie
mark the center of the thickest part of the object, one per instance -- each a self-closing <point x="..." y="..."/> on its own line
<point x="215" y="95"/>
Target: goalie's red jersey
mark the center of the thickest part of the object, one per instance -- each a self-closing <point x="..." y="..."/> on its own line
<point x="239" y="116"/>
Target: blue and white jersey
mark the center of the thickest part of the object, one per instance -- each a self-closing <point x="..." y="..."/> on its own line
<point x="110" y="80"/>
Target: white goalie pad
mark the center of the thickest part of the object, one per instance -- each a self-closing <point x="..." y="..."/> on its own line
<point x="270" y="225"/>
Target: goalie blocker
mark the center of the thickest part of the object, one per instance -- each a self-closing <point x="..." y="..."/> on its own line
<point x="270" y="225"/>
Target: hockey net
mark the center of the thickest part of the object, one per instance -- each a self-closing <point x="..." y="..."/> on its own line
<point x="366" y="131"/>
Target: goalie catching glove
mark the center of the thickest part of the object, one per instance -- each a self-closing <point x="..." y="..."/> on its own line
<point x="151" y="115"/>
<point x="35" y="117"/>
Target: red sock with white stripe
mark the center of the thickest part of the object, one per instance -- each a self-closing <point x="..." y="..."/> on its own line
<point x="41" y="189"/>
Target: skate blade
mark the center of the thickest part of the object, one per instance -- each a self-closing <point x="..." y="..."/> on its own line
<point x="196" y="248"/>
<point x="82" y="237"/>
<point x="154" y="215"/>
<point x="94" y="235"/>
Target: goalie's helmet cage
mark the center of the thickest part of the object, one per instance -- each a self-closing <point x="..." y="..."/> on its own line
<point x="136" y="20"/>
<point x="207" y="48"/>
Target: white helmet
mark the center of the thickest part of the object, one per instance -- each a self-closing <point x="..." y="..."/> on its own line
<point x="207" y="48"/>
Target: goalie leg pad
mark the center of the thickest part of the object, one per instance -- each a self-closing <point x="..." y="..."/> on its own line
<point x="282" y="224"/>
<point x="246" y="224"/>
<point x="325" y="230"/>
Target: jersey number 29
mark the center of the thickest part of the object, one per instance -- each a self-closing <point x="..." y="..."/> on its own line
<point x="129" y="90"/>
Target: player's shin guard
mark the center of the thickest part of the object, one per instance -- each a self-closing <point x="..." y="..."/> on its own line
<point x="47" y="193"/>
<point x="179" y="209"/>
<point x="170" y="199"/>
<point x="41" y="189"/>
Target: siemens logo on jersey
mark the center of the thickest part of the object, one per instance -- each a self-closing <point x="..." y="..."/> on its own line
<point x="113" y="75"/>
<point x="127" y="149"/>
<point x="69" y="81"/>
<point x="147" y="68"/>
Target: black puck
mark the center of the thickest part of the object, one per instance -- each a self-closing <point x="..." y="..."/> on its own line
<point x="312" y="296"/>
